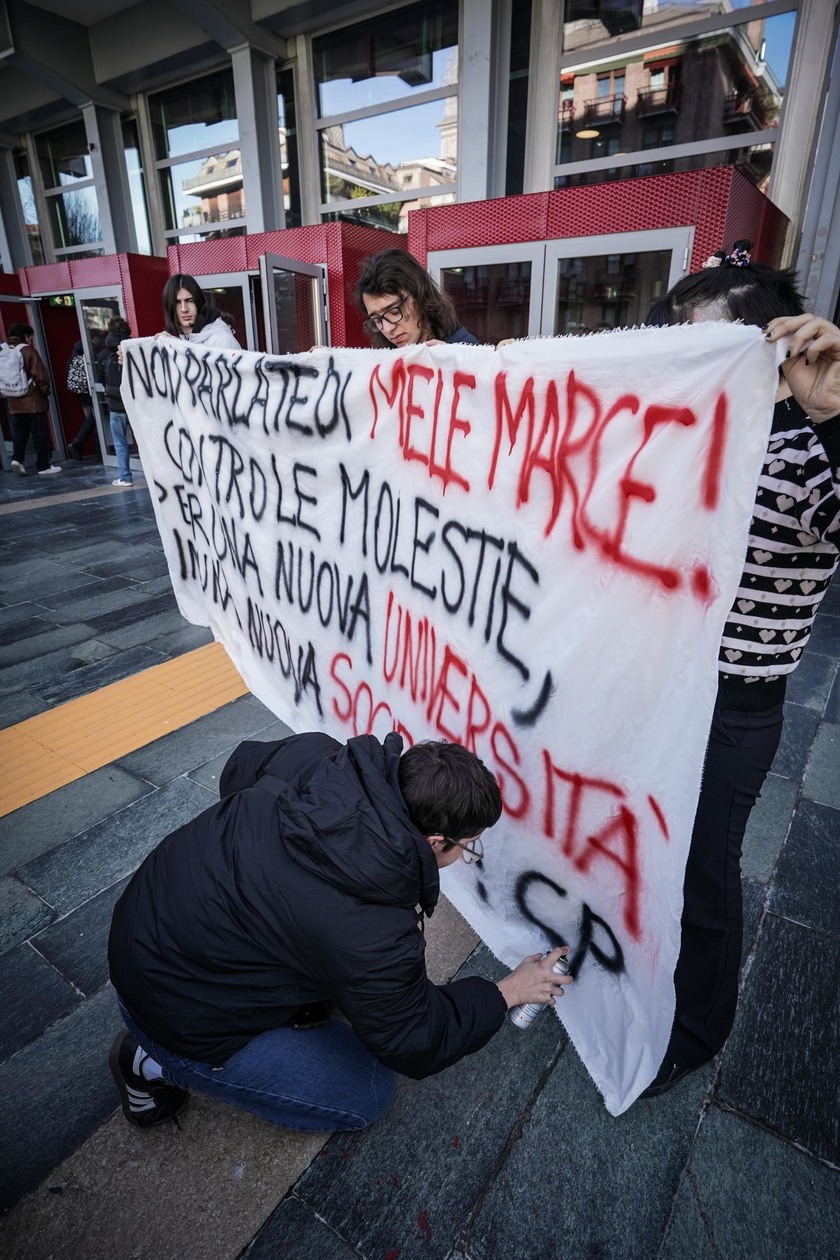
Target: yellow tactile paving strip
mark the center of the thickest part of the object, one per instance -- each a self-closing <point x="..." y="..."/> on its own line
<point x="51" y="749"/>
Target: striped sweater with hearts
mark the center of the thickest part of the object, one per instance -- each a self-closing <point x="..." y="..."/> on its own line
<point x="792" y="553"/>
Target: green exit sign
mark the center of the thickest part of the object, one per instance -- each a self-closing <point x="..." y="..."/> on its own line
<point x="62" y="299"/>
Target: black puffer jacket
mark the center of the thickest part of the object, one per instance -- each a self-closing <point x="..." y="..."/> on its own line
<point x="303" y="892"/>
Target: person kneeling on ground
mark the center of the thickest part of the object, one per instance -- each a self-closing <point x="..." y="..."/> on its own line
<point x="302" y="892"/>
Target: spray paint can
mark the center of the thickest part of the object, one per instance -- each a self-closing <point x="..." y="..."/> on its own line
<point x="524" y="1016"/>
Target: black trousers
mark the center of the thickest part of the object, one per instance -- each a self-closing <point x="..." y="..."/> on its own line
<point x="88" y="426"/>
<point x="739" y="754"/>
<point x="26" y="424"/>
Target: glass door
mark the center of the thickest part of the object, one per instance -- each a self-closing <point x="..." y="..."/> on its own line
<point x="95" y="308"/>
<point x="294" y="303"/>
<point x="594" y="283"/>
<point x="561" y="287"/>
<point x="497" y="290"/>
<point x="231" y="296"/>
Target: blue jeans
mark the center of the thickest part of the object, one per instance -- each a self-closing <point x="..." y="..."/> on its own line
<point x="308" y="1078"/>
<point x="119" y="424"/>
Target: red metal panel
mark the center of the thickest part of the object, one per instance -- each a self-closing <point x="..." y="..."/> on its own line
<point x="751" y="215"/>
<point x="500" y="221"/>
<point x="358" y="244"/>
<point x="48" y="278"/>
<point x="306" y="244"/>
<point x="143" y="278"/>
<point x="92" y="273"/>
<point x="207" y="258"/>
<point x="699" y="198"/>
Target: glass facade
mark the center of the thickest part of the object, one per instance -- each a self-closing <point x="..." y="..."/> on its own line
<point x="63" y="156"/>
<point x="137" y="186"/>
<point x="287" y="122"/>
<point x="74" y="219"/>
<point x="492" y="299"/>
<point x="372" y="144"/>
<point x="592" y="22"/>
<point x="72" y="203"/>
<point x="596" y="293"/>
<point x="196" y="139"/>
<point x="29" y="207"/>
<point x="722" y="85"/>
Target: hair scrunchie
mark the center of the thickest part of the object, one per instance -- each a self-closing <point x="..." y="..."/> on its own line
<point x="740" y="256"/>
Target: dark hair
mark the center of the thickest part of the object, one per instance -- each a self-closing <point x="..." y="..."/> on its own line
<point x="170" y="303"/>
<point x="118" y="325"/>
<point x="755" y="294"/>
<point x="398" y="272"/>
<point x="20" y="331"/>
<point x="448" y="791"/>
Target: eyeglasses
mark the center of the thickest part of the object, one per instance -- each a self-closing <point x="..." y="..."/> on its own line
<point x="391" y="316"/>
<point x="473" y="848"/>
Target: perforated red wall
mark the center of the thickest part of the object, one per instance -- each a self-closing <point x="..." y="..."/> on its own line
<point x="140" y="277"/>
<point x="719" y="202"/>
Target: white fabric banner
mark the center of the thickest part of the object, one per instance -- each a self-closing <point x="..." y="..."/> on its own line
<point x="531" y="551"/>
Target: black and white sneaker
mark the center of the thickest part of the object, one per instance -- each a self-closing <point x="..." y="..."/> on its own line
<point x="144" y="1103"/>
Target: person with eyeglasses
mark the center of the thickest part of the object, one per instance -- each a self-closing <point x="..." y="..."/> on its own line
<point x="403" y="305"/>
<point x="303" y="892"/>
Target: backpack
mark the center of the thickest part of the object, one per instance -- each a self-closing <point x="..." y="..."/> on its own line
<point x="112" y="375"/>
<point x="77" y="381"/>
<point x="14" y="379"/>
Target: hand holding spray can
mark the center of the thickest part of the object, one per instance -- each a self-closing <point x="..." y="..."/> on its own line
<point x="523" y="1016"/>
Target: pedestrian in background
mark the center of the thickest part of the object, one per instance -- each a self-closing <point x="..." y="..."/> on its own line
<point x="109" y="362"/>
<point x="28" y="412"/>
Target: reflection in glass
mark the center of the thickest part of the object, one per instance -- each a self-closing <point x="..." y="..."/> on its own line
<point x="591" y="22"/>
<point x="96" y="313"/>
<point x="370" y="157"/>
<point x="63" y="155"/>
<point x="520" y="58"/>
<point x="386" y="57"/>
<point x="289" y="147"/>
<point x="30" y="210"/>
<point x="608" y="291"/>
<point x="754" y="162"/>
<point x="194" y="115"/>
<point x="204" y="191"/>
<point x="193" y="238"/>
<point x="75" y="218"/>
<point x="724" y="84"/>
<point x="231" y="301"/>
<point x="295" y="305"/>
<point x="492" y="300"/>
<point x="137" y="185"/>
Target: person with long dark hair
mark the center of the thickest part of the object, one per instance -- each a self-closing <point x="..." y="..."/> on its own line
<point x="791" y="555"/>
<point x="187" y="314"/>
<point x="403" y="305"/>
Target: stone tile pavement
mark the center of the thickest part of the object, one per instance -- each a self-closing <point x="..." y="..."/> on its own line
<point x="510" y="1153"/>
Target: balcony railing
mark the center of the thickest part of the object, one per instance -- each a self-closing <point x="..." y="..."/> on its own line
<point x="603" y="109"/>
<point x="746" y="110"/>
<point x="659" y="100"/>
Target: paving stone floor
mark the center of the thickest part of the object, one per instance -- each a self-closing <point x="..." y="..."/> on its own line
<point x="510" y="1153"/>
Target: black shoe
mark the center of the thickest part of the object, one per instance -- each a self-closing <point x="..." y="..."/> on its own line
<point x="73" y="452"/>
<point x="666" y="1077"/>
<point x="144" y="1103"/>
